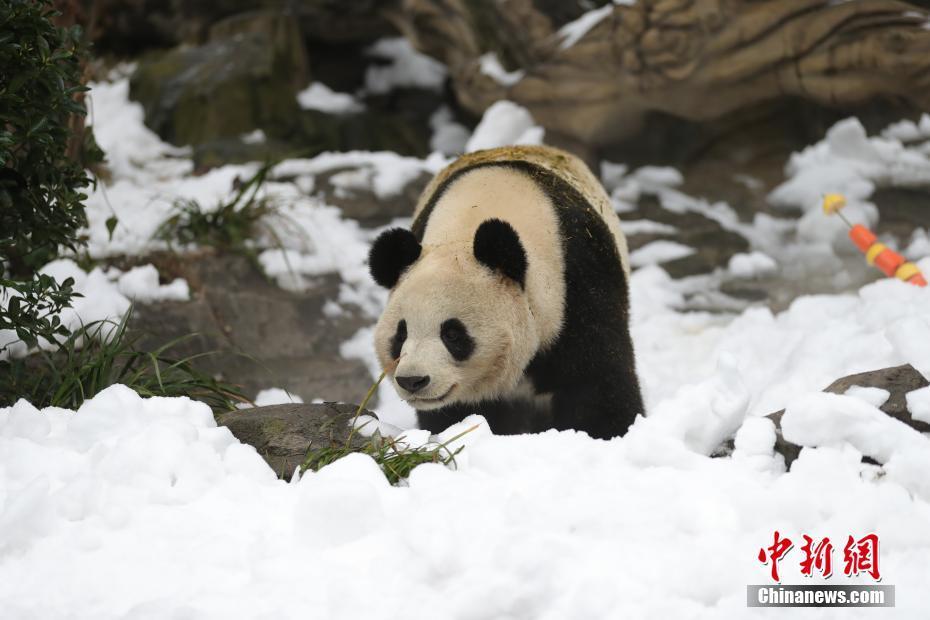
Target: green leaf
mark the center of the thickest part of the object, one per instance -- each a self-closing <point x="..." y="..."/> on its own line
<point x="112" y="221"/>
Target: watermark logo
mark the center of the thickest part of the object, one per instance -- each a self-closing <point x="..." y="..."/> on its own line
<point x="860" y="558"/>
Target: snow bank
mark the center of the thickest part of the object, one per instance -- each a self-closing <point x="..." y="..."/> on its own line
<point x="133" y="508"/>
<point x="775" y="356"/>
<point x="505" y="123"/>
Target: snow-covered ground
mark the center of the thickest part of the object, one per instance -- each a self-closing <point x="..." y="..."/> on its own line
<point x="134" y="508"/>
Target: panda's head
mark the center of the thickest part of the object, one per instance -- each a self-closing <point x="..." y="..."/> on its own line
<point x="457" y="322"/>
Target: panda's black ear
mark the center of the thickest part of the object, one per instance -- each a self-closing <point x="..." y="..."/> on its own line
<point x="393" y="251"/>
<point x="498" y="246"/>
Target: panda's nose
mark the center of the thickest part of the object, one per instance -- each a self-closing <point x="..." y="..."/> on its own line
<point x="413" y="384"/>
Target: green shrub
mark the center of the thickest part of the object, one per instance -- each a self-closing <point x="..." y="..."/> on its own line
<point x="41" y="199"/>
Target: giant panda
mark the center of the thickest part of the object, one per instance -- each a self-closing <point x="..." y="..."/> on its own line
<point x="509" y="298"/>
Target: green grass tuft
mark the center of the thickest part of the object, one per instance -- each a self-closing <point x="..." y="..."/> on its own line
<point x="231" y="226"/>
<point x="101" y="354"/>
<point x="395" y="457"/>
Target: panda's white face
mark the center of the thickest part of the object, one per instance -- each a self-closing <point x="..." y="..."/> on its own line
<point x="460" y="333"/>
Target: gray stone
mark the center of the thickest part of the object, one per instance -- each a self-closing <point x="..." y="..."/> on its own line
<point x="246" y="77"/>
<point x="282" y="434"/>
<point x="260" y="336"/>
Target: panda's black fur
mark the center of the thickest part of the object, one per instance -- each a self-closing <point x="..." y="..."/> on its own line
<point x="589" y="369"/>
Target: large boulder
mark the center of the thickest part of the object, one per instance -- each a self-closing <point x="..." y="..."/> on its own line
<point x="246" y="77"/>
<point x="283" y="434"/>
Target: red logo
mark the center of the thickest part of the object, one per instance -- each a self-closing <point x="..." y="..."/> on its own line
<point x="859" y="556"/>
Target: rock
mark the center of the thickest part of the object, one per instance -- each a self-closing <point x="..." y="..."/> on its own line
<point x="897" y="381"/>
<point x="261" y="336"/>
<point x="282" y="434"/>
<point x="649" y="57"/>
<point x="713" y="244"/>
<point x="246" y="77"/>
<point x="901" y="209"/>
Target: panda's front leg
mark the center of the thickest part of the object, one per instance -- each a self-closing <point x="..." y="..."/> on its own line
<point x="601" y="410"/>
<point x="437" y="420"/>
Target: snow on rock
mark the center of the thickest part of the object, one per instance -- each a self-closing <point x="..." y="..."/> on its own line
<point x="505" y="123"/>
<point x="319" y="96"/>
<point x="647" y="227"/>
<point x="918" y="403"/>
<point x="659" y="251"/>
<point x="141" y="284"/>
<point x="830" y="420"/>
<point x="849" y="162"/>
<point x="919" y="245"/>
<point x="406" y="68"/>
<point x="572" y="32"/>
<point x="390" y="172"/>
<point x="276" y="396"/>
<point x="143" y="508"/>
<point x="872" y="395"/>
<point x="492" y="67"/>
<point x="909" y="131"/>
<point x="449" y="137"/>
<point x="751" y="265"/>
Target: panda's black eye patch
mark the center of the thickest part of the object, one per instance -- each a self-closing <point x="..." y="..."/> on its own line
<point x="456" y="338"/>
<point x="400" y="336"/>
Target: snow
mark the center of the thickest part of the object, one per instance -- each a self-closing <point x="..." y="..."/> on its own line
<point x="449" y="137"/>
<point x="105" y="295"/>
<point x="751" y="264"/>
<point x="872" y="395"/>
<point x="918" y="403"/>
<point x="647" y="227"/>
<point x="319" y="96"/>
<point x="834" y="420"/>
<point x="256" y="136"/>
<point x="659" y="252"/>
<point x="849" y="162"/>
<point x="276" y="396"/>
<point x="142" y="508"/>
<point x="572" y="32"/>
<point x="141" y="284"/>
<point x="406" y="68"/>
<point x="505" y="123"/>
<point x="491" y="66"/>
